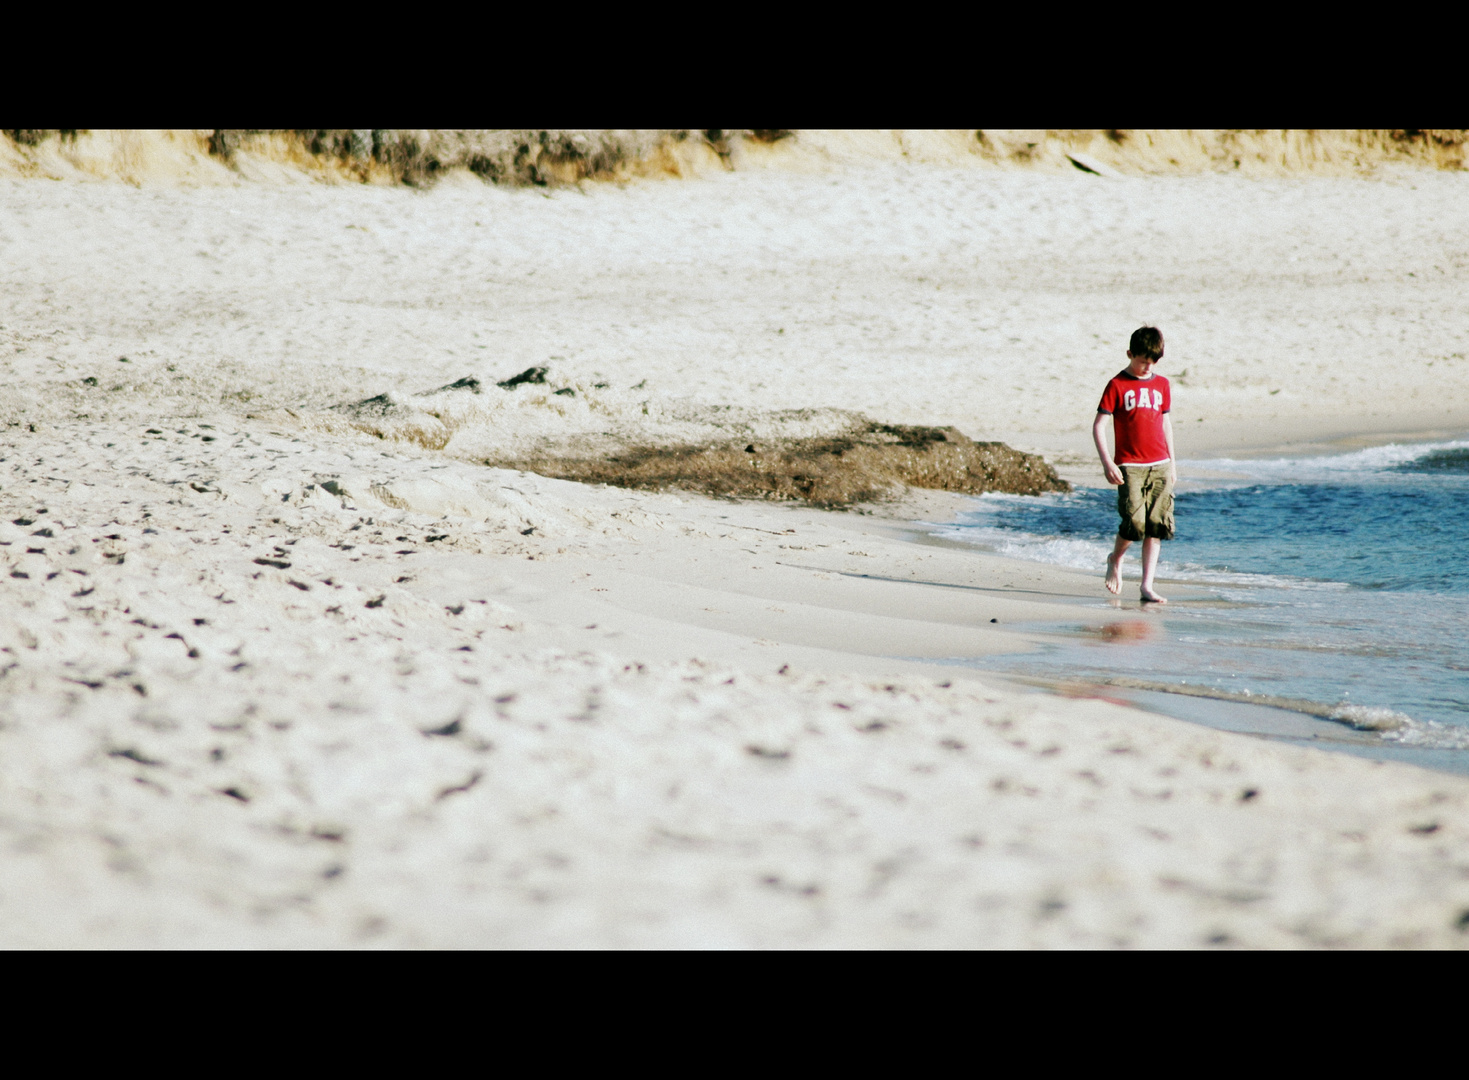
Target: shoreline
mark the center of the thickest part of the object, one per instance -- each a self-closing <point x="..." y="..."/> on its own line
<point x="1300" y="722"/>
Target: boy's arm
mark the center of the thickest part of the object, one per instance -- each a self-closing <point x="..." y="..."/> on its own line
<point x="1099" y="436"/>
<point x="1172" y="456"/>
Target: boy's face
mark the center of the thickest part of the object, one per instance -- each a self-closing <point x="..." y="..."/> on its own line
<point x="1140" y="367"/>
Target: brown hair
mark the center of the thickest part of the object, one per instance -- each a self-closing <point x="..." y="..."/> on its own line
<point x="1147" y="341"/>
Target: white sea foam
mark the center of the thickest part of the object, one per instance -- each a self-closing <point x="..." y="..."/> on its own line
<point x="1058" y="551"/>
<point x="1372" y="718"/>
<point x="1390" y="724"/>
<point x="1358" y="463"/>
<point x="1400" y="728"/>
<point x="1213" y="576"/>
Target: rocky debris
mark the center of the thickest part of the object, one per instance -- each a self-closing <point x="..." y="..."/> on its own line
<point x="531" y="376"/>
<point x="469" y="382"/>
<point x="377" y="405"/>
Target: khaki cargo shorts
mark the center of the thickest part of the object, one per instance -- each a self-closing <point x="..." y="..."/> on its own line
<point x="1145" y="502"/>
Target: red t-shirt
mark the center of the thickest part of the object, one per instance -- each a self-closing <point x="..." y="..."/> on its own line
<point x="1137" y="407"/>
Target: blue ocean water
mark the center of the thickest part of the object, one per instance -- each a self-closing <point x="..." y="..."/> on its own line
<point x="1338" y="584"/>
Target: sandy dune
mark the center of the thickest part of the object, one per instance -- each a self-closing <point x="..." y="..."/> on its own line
<point x="272" y="681"/>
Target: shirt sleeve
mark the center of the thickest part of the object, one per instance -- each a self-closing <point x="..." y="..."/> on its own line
<point x="1167" y="396"/>
<point x="1108" y="404"/>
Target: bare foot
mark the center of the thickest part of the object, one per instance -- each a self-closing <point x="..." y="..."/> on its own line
<point x="1114" y="574"/>
<point x="1150" y="597"/>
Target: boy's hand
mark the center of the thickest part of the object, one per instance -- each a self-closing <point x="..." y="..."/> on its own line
<point x="1109" y="467"/>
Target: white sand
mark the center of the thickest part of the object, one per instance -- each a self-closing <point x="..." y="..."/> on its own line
<point x="663" y="720"/>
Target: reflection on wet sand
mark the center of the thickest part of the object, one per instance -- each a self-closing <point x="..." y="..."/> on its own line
<point x="1126" y="631"/>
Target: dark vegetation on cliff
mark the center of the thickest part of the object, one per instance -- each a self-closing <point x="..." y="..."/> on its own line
<point x="502" y="156"/>
<point x="554" y="157"/>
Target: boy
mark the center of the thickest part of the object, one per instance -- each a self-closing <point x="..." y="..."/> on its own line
<point x="1138" y="401"/>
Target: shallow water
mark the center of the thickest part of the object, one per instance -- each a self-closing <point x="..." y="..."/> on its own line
<point x="1335" y="585"/>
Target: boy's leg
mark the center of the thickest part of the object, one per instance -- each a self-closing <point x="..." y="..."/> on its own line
<point x="1132" y="510"/>
<point x="1114" y="564"/>
<point x="1152" y="548"/>
<point x="1159" y="500"/>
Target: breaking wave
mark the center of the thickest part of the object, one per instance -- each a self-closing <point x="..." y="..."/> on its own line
<point x="1390" y="724"/>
